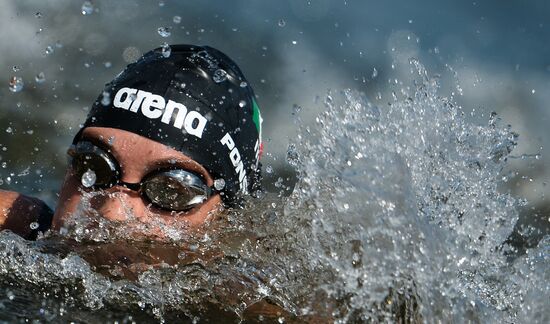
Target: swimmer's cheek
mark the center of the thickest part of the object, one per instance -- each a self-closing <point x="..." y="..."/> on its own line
<point x="23" y="215"/>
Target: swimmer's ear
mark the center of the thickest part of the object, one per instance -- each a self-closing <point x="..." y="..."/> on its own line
<point x="24" y="215"/>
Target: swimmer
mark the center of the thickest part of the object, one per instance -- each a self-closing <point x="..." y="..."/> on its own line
<point x="170" y="142"/>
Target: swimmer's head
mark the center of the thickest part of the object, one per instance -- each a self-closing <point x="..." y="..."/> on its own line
<point x="196" y="101"/>
<point x="169" y="142"/>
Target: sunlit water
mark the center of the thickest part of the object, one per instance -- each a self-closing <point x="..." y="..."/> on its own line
<point x="396" y="215"/>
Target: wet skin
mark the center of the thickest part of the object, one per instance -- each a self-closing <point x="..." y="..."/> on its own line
<point x="137" y="156"/>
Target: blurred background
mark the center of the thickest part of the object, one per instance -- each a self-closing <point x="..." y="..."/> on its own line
<point x="56" y="55"/>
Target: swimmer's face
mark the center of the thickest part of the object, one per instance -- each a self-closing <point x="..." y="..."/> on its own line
<point x="138" y="157"/>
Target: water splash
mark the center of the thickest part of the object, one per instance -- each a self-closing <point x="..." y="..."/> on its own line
<point x="407" y="197"/>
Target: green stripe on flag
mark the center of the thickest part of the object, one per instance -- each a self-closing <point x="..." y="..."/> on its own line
<point x="256" y="116"/>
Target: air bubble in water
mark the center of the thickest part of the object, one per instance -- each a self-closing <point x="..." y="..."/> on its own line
<point x="9" y="130"/>
<point x="242" y="103"/>
<point x="282" y="23"/>
<point x="48" y="50"/>
<point x="176" y="19"/>
<point x="16" y="68"/>
<point x="87" y="8"/>
<point x="269" y="169"/>
<point x="16" y="84"/>
<point x="219" y="76"/>
<point x="33" y="225"/>
<point x="166" y="50"/>
<point x="40" y="77"/>
<point x="88" y="178"/>
<point x="243" y="84"/>
<point x="38" y="15"/>
<point x="164" y="31"/>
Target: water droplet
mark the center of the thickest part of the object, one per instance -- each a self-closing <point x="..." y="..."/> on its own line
<point x="219" y="184"/>
<point x="282" y="23"/>
<point x="106" y="98"/>
<point x="176" y="19"/>
<point x="269" y="169"/>
<point x="164" y="31"/>
<point x="111" y="140"/>
<point x="48" y="50"/>
<point x="87" y="8"/>
<point x="40" y="77"/>
<point x="107" y="64"/>
<point x="243" y="84"/>
<point x="533" y="91"/>
<point x="219" y="76"/>
<point x="292" y="155"/>
<point x="16" y="84"/>
<point x="242" y="103"/>
<point x="166" y="50"/>
<point x="374" y="73"/>
<point x="88" y="178"/>
<point x="33" y="225"/>
<point x="9" y="130"/>
<point x="294" y="42"/>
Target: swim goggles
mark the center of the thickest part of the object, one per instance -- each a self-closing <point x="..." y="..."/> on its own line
<point x="173" y="190"/>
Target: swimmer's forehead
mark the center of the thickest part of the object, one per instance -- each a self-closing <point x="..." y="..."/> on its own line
<point x="135" y="151"/>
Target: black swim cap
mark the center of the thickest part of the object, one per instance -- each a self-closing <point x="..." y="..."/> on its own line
<point x="195" y="100"/>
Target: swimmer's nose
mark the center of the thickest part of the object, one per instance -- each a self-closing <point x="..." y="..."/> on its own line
<point x="119" y="204"/>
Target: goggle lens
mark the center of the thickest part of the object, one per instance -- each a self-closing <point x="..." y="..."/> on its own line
<point x="170" y="193"/>
<point x="90" y="161"/>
